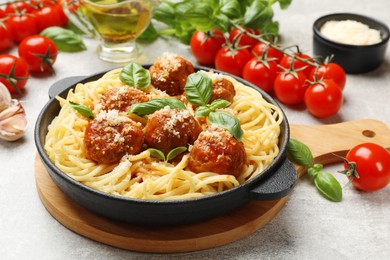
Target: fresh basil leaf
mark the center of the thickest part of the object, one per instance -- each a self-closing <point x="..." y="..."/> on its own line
<point x="230" y="8"/>
<point x="83" y="110"/>
<point x="228" y="122"/>
<point x="147" y="108"/>
<point x="135" y="75"/>
<point x="149" y="35"/>
<point x="299" y="153"/>
<point x="258" y="14"/>
<point x="64" y="39"/>
<point x="219" y="103"/>
<point x="198" y="88"/>
<point x="157" y="154"/>
<point x="166" y="13"/>
<point x="175" y="152"/>
<point x="202" y="111"/>
<point x="284" y="3"/>
<point x="328" y="186"/>
<point x="201" y="16"/>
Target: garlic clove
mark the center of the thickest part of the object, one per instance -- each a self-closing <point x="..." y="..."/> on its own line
<point x="13" y="121"/>
<point x="5" y="97"/>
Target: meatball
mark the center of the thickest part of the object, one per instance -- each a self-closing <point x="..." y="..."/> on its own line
<point x="167" y="129"/>
<point x="169" y="73"/>
<point x="222" y="89"/>
<point x="110" y="136"/>
<point x="121" y="98"/>
<point x="216" y="150"/>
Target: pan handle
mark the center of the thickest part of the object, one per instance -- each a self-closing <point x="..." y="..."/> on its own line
<point x="277" y="185"/>
<point x="61" y="85"/>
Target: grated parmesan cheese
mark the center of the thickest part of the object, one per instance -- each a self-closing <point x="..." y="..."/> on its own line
<point x="350" y="32"/>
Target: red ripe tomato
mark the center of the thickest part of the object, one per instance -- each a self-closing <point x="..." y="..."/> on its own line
<point x="272" y="53"/>
<point x="242" y="38"/>
<point x="324" y="98"/>
<point x="372" y="166"/>
<point x="232" y="60"/>
<point x="286" y="62"/>
<point x="18" y="8"/>
<point x="48" y="16"/>
<point x="5" y="36"/>
<point x="204" y="46"/>
<point x="261" y="73"/>
<point x="331" y="71"/>
<point x="2" y="13"/>
<point x="22" y="26"/>
<point x="289" y="88"/>
<point x="39" y="52"/>
<point x="13" y="73"/>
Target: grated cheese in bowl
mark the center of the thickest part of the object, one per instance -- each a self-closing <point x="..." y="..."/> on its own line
<point x="350" y="32"/>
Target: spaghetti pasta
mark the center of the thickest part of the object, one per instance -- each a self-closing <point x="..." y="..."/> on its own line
<point x="141" y="176"/>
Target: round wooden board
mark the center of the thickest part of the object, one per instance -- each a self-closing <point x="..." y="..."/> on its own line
<point x="204" y="235"/>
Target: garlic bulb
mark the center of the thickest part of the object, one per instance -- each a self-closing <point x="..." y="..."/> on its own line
<point x="13" y="121"/>
<point x="5" y="97"/>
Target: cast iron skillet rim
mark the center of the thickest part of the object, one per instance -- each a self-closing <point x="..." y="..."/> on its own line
<point x="275" y="165"/>
<point x="357" y="17"/>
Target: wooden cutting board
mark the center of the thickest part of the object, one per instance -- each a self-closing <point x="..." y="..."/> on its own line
<point x="323" y="140"/>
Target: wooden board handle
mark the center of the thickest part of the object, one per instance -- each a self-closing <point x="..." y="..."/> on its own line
<point x="326" y="140"/>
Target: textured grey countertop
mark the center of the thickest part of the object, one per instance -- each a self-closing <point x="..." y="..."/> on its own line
<point x="308" y="227"/>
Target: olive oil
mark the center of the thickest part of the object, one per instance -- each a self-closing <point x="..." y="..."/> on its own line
<point x="117" y="21"/>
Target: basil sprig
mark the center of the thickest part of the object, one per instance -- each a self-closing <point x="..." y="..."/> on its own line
<point x="228" y="122"/>
<point x="147" y="108"/>
<point x="135" y="75"/>
<point x="207" y="109"/>
<point x="64" y="39"/>
<point x="171" y="155"/>
<point x="198" y="88"/>
<point x="325" y="183"/>
<point x="83" y="110"/>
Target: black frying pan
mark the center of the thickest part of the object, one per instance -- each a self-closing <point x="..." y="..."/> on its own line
<point x="274" y="183"/>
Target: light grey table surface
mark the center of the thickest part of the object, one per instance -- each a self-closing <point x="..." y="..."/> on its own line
<point x="308" y="227"/>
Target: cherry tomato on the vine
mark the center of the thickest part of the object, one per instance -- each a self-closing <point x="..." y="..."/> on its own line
<point x="204" y="46"/>
<point x="287" y="60"/>
<point x="324" y="98"/>
<point x="232" y="60"/>
<point x="18" y="8"/>
<point x="243" y="39"/>
<point x="13" y="73"/>
<point x="290" y="87"/>
<point x="48" y="16"/>
<point x="262" y="73"/>
<point x="331" y="71"/>
<point x="272" y="52"/>
<point x="22" y="26"/>
<point x="6" y="40"/>
<point x="372" y="166"/>
<point x="39" y="52"/>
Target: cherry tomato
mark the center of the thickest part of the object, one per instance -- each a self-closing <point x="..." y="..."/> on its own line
<point x="5" y="36"/>
<point x="18" y="8"/>
<point x="289" y="88"/>
<point x="324" y="98"/>
<point x="372" y="166"/>
<point x="48" y="16"/>
<point x="261" y="73"/>
<point x="22" y="26"/>
<point x="13" y="73"/>
<point x="232" y="60"/>
<point x="39" y="52"/>
<point x="286" y="62"/>
<point x="204" y="46"/>
<point x="272" y="53"/>
<point x="2" y="13"/>
<point x="242" y="38"/>
<point x="331" y="71"/>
